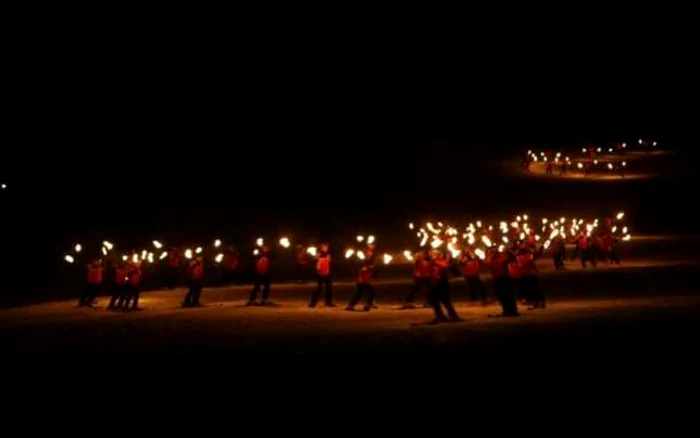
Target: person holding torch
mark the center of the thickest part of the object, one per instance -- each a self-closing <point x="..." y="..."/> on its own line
<point x="440" y="290"/>
<point x="262" y="277"/>
<point x="94" y="281"/>
<point x="323" y="275"/>
<point x="195" y="275"/>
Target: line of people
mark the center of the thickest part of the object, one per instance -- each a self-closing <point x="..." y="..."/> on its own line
<point x="514" y="273"/>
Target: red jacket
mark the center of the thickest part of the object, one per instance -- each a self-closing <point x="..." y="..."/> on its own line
<point x="527" y="265"/>
<point x="195" y="270"/>
<point x="94" y="274"/>
<point x="471" y="268"/>
<point x="262" y="266"/>
<point x="323" y="265"/>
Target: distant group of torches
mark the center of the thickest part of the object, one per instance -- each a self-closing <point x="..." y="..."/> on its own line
<point x="553" y="159"/>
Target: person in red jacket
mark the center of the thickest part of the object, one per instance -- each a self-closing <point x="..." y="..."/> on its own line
<point x="134" y="286"/>
<point x="421" y="280"/>
<point x="121" y="277"/>
<point x="261" y="279"/>
<point x="514" y="276"/>
<point x="440" y="290"/>
<point x="302" y="264"/>
<point x="94" y="281"/>
<point x="195" y="275"/>
<point x="173" y="268"/>
<point x="470" y="271"/>
<point x="583" y="245"/>
<point x="323" y="271"/>
<point x="498" y="263"/>
<point x="230" y="268"/>
<point x="365" y="277"/>
<point x="528" y="280"/>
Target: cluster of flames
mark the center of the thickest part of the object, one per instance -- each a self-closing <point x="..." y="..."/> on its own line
<point x="477" y="238"/>
<point x="542" y="156"/>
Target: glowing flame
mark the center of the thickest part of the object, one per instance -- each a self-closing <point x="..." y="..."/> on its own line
<point x="163" y="255"/>
<point x="553" y="234"/>
<point x="624" y="230"/>
<point x="312" y="251"/>
<point x="486" y="241"/>
<point x="107" y="245"/>
<point x="256" y="252"/>
<point x="627" y="237"/>
<point x="349" y="253"/>
<point x="104" y="251"/>
<point x="478" y="224"/>
<point x="579" y="165"/>
<point x="135" y="258"/>
<point x="424" y="240"/>
<point x="370" y="239"/>
<point x="454" y="250"/>
<point x="144" y="254"/>
<point x="387" y="259"/>
<point x="436" y="242"/>
<point x="546" y="244"/>
<point x="599" y="149"/>
<point x="544" y="221"/>
<point x="217" y="243"/>
<point x="360" y="255"/>
<point x="198" y="250"/>
<point x="624" y="145"/>
<point x="407" y="255"/>
<point x="620" y="215"/>
<point x="584" y="150"/>
<point x="610" y="166"/>
<point x="595" y="161"/>
<point x="78" y="247"/>
<point x="640" y="141"/>
<point x="525" y="217"/>
<point x="360" y="238"/>
<point x="410" y="226"/>
<point x="614" y="228"/>
<point x="480" y="253"/>
<point x="188" y="253"/>
<point x="505" y="239"/>
<point x="219" y="258"/>
<point x="501" y="248"/>
<point x="522" y="236"/>
<point x="68" y="258"/>
<point x="284" y="242"/>
<point x="157" y="244"/>
<point x="150" y="257"/>
<point x="537" y="237"/>
<point x="653" y="144"/>
<point x="125" y="257"/>
<point x="259" y="241"/>
<point x="471" y="239"/>
<point x="624" y="163"/>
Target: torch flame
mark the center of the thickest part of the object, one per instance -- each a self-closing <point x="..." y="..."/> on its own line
<point x="219" y="258"/>
<point x="486" y="241"/>
<point x="360" y="255"/>
<point x="312" y="251"/>
<point x="259" y="241"/>
<point x="188" y="253"/>
<point x="407" y="255"/>
<point x="198" y="250"/>
<point x="163" y="255"/>
<point x="627" y="237"/>
<point x="217" y="243"/>
<point x="157" y="244"/>
<point x="410" y="226"/>
<point x="107" y="245"/>
<point x="349" y="253"/>
<point x="480" y="253"/>
<point x="388" y="258"/>
<point x="78" y="247"/>
<point x="104" y="251"/>
<point x="284" y="242"/>
<point x="68" y="258"/>
<point x="370" y="239"/>
<point x="620" y="215"/>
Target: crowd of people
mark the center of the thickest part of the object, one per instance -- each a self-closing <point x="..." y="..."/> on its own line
<point x="507" y="251"/>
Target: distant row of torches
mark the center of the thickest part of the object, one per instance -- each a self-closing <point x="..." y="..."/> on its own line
<point x="558" y="158"/>
<point x="477" y="237"/>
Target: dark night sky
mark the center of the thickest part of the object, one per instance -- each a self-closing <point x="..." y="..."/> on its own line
<point x="186" y="136"/>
